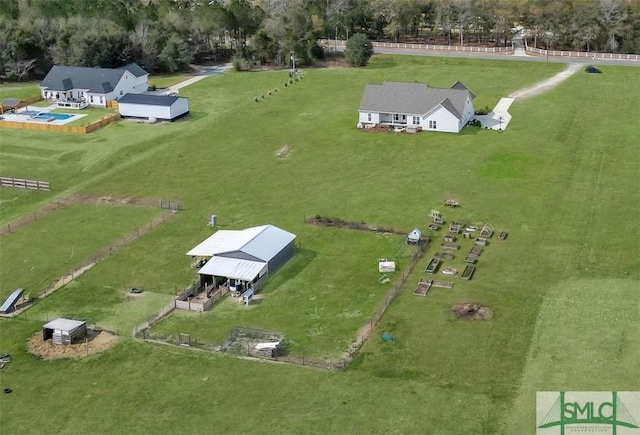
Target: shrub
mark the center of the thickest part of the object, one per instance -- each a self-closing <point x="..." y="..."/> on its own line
<point x="358" y="50"/>
<point x="242" y="64"/>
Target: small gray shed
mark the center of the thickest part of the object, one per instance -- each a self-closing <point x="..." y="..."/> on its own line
<point x="64" y="331"/>
<point x="414" y="236"/>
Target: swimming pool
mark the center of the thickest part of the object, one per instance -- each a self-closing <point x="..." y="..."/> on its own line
<point x="56" y="116"/>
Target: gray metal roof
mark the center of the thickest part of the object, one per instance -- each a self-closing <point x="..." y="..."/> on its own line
<point x="268" y="243"/>
<point x="99" y="80"/>
<point x="11" y="102"/>
<point x="61" y="324"/>
<point x="412" y="98"/>
<point x="262" y="242"/>
<point x="151" y="100"/>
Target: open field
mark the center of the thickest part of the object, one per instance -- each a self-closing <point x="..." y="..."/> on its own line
<point x="562" y="179"/>
<point x="38" y="254"/>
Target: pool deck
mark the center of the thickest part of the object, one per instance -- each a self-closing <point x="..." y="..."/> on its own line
<point x="26" y="115"/>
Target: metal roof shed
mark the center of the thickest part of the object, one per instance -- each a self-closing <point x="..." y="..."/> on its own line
<point x="64" y="331"/>
<point x="414" y="236"/>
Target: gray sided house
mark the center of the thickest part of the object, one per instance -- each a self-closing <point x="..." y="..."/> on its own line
<point x="153" y="107"/>
<point x="75" y="87"/>
<point x="243" y="259"/>
<point x="416" y="106"/>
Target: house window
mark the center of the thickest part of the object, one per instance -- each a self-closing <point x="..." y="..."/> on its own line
<point x="396" y="117"/>
<point x="91" y="98"/>
<point x="432" y="124"/>
<point x="369" y="117"/>
<point x="120" y="93"/>
<point x="416" y="120"/>
<point x="101" y="101"/>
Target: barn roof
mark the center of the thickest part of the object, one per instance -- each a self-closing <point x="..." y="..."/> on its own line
<point x="233" y="268"/>
<point x="262" y="242"/>
<point x="413" y="98"/>
<point x="151" y="100"/>
<point x="62" y="324"/>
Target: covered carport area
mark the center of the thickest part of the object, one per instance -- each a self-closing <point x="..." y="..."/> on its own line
<point x="237" y="274"/>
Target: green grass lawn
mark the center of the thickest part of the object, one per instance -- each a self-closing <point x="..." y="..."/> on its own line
<point x="36" y="255"/>
<point x="165" y="80"/>
<point x="562" y="179"/>
<point x="94" y="114"/>
<point x="22" y="90"/>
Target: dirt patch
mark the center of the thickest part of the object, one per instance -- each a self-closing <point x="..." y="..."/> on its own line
<point x="545" y="85"/>
<point x="97" y="341"/>
<point x="326" y="221"/>
<point x="470" y="311"/>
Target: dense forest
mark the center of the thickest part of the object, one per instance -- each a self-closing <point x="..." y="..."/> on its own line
<point x="167" y="35"/>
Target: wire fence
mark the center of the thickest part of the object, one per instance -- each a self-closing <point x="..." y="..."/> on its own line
<point x="241" y="342"/>
<point x="36" y="215"/>
<point x="105" y="252"/>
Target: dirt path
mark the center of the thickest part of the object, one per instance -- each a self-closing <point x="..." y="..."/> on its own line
<point x="548" y="84"/>
<point x="500" y="117"/>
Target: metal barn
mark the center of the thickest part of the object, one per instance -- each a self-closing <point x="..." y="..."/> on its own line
<point x="64" y="331"/>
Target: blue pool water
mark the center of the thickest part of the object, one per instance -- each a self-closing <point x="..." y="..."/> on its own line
<point x="58" y="116"/>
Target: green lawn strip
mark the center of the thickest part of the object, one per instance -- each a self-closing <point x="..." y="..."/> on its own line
<point x="332" y="283"/>
<point x="38" y="254"/>
<point x="125" y="388"/>
<point x="162" y="81"/>
<point x="22" y="90"/>
<point x="93" y="114"/>
<point x="585" y="340"/>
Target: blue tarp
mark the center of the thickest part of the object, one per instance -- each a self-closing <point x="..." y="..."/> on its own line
<point x="8" y="305"/>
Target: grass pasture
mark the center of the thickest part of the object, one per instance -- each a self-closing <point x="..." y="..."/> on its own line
<point x="562" y="179"/>
<point x="38" y="254"/>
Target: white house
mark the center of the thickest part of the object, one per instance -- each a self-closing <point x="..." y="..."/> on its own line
<point x="243" y="258"/>
<point x="416" y="105"/>
<point x="75" y="87"/>
<point x="160" y="107"/>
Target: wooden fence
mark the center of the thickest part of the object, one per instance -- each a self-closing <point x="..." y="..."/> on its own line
<point x="22" y="183"/>
<point x="112" y="104"/>
<point x="82" y="129"/>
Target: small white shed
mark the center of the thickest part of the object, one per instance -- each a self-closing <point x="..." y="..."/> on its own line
<point x="64" y="331"/>
<point x="160" y="107"/>
<point x="414" y="236"/>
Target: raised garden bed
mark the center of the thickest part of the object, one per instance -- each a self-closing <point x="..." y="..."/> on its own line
<point x="444" y="256"/>
<point x="476" y="251"/>
<point x="449" y="245"/>
<point x="468" y="272"/>
<point x="481" y="241"/>
<point x="443" y="284"/>
<point x="503" y="235"/>
<point x="423" y="287"/>
<point x="471" y="259"/>
<point x="433" y="265"/>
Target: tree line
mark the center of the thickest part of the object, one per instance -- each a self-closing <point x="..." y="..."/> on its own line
<point x="167" y="35"/>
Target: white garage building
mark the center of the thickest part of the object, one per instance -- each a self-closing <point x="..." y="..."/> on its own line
<point x="153" y="107"/>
